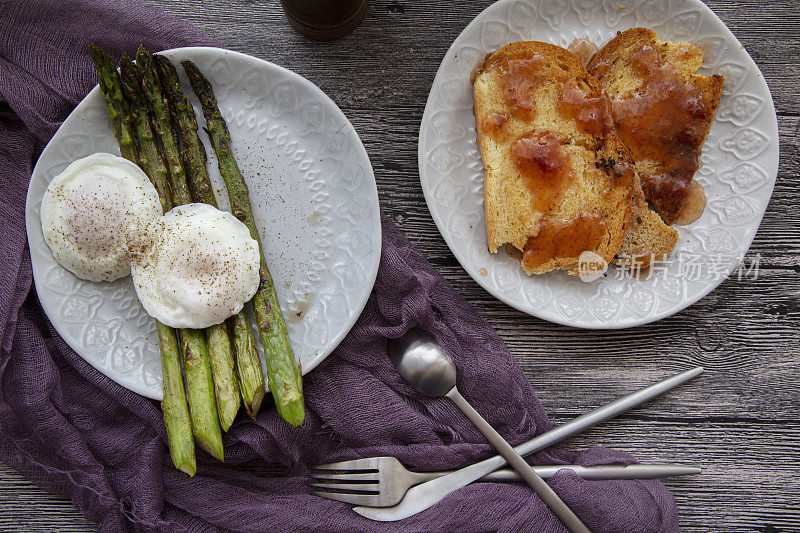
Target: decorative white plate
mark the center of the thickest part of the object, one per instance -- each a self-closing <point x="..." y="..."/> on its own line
<point x="314" y="198"/>
<point x="738" y="169"/>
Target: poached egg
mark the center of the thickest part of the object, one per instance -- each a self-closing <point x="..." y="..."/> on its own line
<point x="195" y="266"/>
<point x="86" y="212"/>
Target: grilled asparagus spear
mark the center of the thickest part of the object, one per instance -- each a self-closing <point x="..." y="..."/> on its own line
<point x="115" y="102"/>
<point x="196" y="363"/>
<point x="226" y="382"/>
<point x="248" y="365"/>
<point x="285" y="381"/>
<point x="176" y="412"/>
<point x="194" y="153"/>
<point x="162" y="125"/>
<point x="150" y="159"/>
<point x="200" y="390"/>
<point x="226" y="387"/>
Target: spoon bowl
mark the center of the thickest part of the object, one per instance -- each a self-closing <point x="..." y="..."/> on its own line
<point x="422" y="362"/>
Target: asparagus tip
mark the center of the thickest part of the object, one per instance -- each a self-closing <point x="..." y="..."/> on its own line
<point x="99" y="57"/>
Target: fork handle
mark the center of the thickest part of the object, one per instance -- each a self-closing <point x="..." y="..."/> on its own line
<point x="599" y="472"/>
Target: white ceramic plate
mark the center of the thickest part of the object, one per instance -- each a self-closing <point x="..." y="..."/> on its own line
<point x="314" y="199"/>
<point x="738" y="169"/>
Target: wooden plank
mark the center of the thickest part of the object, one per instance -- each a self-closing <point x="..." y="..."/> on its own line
<point x="26" y="507"/>
<point x="738" y="420"/>
<point x="747" y="482"/>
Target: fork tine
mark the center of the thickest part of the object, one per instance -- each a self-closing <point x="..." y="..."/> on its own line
<point x="370" y="463"/>
<point x="361" y="476"/>
<point x="354" y="499"/>
<point x="337" y="487"/>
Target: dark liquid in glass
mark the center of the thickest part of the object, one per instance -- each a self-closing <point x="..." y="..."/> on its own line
<point x="324" y="20"/>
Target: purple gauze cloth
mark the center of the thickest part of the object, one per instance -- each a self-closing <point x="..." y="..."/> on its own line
<point x="75" y="432"/>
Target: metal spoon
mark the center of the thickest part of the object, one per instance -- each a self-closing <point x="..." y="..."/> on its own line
<point x="428" y="368"/>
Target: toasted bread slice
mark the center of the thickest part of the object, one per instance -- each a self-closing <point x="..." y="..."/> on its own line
<point x="663" y="110"/>
<point x="558" y="180"/>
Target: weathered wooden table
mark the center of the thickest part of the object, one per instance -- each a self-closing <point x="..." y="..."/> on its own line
<point x="739" y="420"/>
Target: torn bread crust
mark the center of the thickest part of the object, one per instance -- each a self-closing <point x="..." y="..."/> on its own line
<point x="585" y="183"/>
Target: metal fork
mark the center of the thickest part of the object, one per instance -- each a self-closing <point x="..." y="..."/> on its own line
<point x="383" y="481"/>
